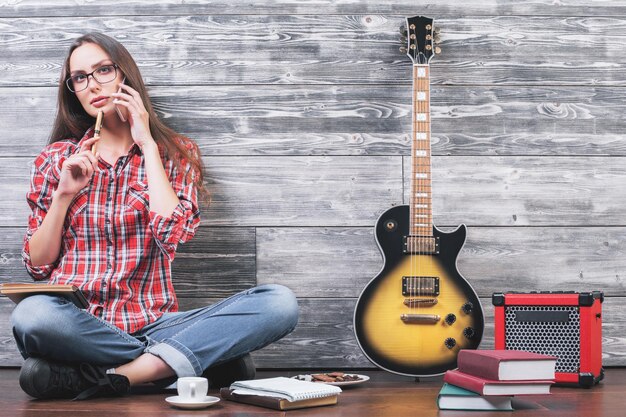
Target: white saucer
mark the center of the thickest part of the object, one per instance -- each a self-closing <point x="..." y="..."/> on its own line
<point x="192" y="405"/>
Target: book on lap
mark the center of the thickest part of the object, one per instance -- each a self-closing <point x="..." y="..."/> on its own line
<point x="506" y="365"/>
<point x="16" y="292"/>
<point x="484" y="386"/>
<point x="281" y="393"/>
<point x="452" y="397"/>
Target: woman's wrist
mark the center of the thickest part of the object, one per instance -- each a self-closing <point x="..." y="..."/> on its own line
<point x="62" y="197"/>
<point x="148" y="145"/>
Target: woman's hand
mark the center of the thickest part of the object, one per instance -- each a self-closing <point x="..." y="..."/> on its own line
<point x="77" y="170"/>
<point x="138" y="116"/>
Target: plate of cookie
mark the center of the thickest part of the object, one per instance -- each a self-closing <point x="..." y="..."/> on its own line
<point x="334" y="378"/>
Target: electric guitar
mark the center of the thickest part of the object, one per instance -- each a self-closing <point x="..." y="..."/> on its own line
<point x="418" y="312"/>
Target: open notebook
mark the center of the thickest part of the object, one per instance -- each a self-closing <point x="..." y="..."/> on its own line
<point x="287" y="388"/>
<point x="281" y="393"/>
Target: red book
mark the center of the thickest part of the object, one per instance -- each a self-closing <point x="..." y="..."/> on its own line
<point x="489" y="387"/>
<point x="506" y="365"/>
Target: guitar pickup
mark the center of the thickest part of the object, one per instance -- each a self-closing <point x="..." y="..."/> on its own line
<point x="420" y="245"/>
<point x="420" y="286"/>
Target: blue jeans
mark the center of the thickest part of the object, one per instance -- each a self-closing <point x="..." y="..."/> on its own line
<point x="189" y="342"/>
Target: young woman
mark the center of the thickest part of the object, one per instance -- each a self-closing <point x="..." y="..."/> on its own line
<point x="107" y="216"/>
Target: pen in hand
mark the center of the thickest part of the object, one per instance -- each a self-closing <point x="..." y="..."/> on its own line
<point x="97" y="131"/>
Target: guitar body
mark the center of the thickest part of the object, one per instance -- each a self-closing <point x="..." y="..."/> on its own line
<point x="425" y="343"/>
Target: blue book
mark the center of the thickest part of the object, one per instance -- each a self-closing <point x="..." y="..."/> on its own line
<point x="452" y="397"/>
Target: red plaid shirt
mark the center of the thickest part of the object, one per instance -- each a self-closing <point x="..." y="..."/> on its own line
<point x="117" y="251"/>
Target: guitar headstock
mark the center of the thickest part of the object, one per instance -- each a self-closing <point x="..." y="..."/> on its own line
<point x="420" y="36"/>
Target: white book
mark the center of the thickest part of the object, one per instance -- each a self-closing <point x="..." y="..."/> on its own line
<point x="287" y="388"/>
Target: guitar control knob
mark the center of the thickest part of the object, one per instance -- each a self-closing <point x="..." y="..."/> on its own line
<point x="469" y="332"/>
<point x="450" y="318"/>
<point x="450" y="343"/>
<point x="467" y="307"/>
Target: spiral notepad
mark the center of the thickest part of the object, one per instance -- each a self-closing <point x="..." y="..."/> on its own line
<point x="287" y="388"/>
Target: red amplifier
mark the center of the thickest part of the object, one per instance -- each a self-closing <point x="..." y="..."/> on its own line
<point x="567" y="325"/>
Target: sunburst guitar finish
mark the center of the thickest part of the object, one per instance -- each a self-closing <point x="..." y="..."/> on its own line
<point x="445" y="322"/>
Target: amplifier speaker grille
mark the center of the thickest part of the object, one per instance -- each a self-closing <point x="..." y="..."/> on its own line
<point x="550" y="330"/>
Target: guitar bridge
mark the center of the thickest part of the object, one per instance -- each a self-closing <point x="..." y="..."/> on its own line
<point x="417" y="302"/>
<point x="420" y="286"/>
<point x="420" y="318"/>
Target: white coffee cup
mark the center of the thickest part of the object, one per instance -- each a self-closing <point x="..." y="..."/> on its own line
<point x="192" y="388"/>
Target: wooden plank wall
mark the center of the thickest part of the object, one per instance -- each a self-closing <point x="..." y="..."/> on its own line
<point x="302" y="112"/>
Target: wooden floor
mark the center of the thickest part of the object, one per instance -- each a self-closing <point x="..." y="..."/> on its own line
<point x="383" y="395"/>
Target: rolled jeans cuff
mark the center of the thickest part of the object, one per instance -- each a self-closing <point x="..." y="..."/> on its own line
<point x="177" y="356"/>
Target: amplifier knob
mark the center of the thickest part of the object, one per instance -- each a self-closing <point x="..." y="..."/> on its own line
<point x="467" y="307"/>
<point x="450" y="342"/>
<point x="469" y="332"/>
<point x="450" y="318"/>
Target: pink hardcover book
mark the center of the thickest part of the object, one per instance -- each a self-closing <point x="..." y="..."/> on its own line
<point x="490" y="387"/>
<point x="506" y="365"/>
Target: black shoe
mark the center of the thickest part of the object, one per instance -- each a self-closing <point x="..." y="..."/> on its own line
<point x="40" y="378"/>
<point x="222" y="375"/>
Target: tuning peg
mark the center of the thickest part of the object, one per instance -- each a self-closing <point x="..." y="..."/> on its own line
<point x="403" y="49"/>
<point x="437" y="38"/>
<point x="403" y="30"/>
<point x="403" y="39"/>
<point x="437" y="29"/>
<point x="437" y="50"/>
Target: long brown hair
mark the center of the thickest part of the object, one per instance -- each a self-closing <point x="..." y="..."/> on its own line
<point x="72" y="120"/>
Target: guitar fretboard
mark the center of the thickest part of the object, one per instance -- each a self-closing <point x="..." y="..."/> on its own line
<point x="421" y="222"/>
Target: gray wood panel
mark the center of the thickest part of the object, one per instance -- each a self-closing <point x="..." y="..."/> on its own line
<point x="401" y="7"/>
<point x="256" y="191"/>
<point x="304" y="191"/>
<point x="339" y="262"/>
<point x="347" y="191"/>
<point x="358" y="120"/>
<point x="328" y="49"/>
<point x="215" y="263"/>
<point x="528" y="191"/>
<point x="324" y="337"/>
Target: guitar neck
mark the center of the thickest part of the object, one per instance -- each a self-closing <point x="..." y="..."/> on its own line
<point x="421" y="222"/>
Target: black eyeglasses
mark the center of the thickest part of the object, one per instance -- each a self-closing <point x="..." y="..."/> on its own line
<point x="102" y="75"/>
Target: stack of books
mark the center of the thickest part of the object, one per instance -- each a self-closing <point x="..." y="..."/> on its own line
<point x="487" y="379"/>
